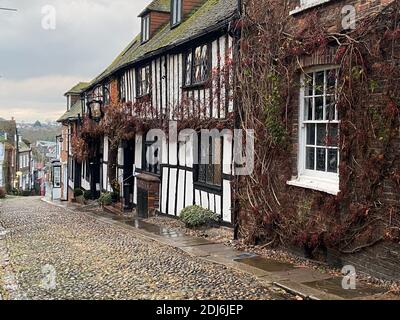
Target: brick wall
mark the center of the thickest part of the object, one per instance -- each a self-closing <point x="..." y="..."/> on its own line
<point x="158" y="20"/>
<point x="64" y="145"/>
<point x="190" y="5"/>
<point x="381" y="259"/>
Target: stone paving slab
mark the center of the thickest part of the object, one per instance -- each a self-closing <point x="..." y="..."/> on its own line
<point x="334" y="286"/>
<point x="302" y="275"/>
<point x="305" y="291"/>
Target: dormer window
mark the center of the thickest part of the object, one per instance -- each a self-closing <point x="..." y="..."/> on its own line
<point x="176" y="10"/>
<point x="146" y="28"/>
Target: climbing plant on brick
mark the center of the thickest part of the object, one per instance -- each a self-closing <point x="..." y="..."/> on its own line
<point x="368" y="100"/>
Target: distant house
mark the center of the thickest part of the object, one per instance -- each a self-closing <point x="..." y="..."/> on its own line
<point x="24" y="165"/>
<point x="71" y="178"/>
<point x="8" y="150"/>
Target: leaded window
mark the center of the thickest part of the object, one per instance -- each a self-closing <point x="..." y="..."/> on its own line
<point x="209" y="172"/>
<point x="197" y="66"/>
<point x="122" y="88"/>
<point x="143" y="81"/>
<point x="106" y="94"/>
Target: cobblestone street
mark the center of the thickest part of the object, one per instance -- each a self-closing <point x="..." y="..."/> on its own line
<point x="89" y="259"/>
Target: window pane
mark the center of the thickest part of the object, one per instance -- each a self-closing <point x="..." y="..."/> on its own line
<point x="333" y="161"/>
<point x="311" y="134"/>
<point x="308" y="109"/>
<point x="179" y="14"/>
<point x="330" y="108"/>
<point x="319" y="83"/>
<point x="331" y="81"/>
<point x="308" y="82"/>
<point x="333" y="135"/>
<point x="321" y="135"/>
<point x="188" y="76"/>
<point x="202" y="173"/>
<point x="174" y="11"/>
<point x="321" y="159"/>
<point x="319" y="108"/>
<point x="204" y="63"/>
<point x="147" y="81"/>
<point x="197" y="65"/>
<point x="310" y="158"/>
<point x="217" y="162"/>
<point x="210" y="174"/>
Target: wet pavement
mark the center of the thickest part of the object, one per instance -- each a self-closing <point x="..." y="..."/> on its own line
<point x="309" y="283"/>
<point x="55" y="253"/>
<point x="304" y="282"/>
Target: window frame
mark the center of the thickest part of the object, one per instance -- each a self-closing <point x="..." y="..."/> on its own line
<point x="205" y="184"/>
<point x="148" y="168"/>
<point x="145" y="34"/>
<point x="303" y="172"/>
<point x="122" y="88"/>
<point x="178" y="21"/>
<point x="306" y="5"/>
<point x="192" y="52"/>
<point x="106" y="94"/>
<point x="138" y="75"/>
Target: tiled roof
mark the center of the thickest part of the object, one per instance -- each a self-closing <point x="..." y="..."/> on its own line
<point x="204" y="19"/>
<point x="9" y="127"/>
<point x="77" y="88"/>
<point x="72" y="113"/>
<point x="157" y="5"/>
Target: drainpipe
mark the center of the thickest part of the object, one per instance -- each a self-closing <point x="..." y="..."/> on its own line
<point x="236" y="104"/>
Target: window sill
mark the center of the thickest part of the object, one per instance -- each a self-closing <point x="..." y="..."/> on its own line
<point x="307" y="6"/>
<point x="322" y="185"/>
<point x="207" y="187"/>
<point x="143" y="97"/>
<point x="200" y="85"/>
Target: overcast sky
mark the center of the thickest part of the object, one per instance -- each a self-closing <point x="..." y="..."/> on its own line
<point x="37" y="65"/>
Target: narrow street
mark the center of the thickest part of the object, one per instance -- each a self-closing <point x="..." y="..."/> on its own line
<point x="47" y="252"/>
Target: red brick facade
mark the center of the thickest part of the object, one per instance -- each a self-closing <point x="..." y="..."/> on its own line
<point x="378" y="259"/>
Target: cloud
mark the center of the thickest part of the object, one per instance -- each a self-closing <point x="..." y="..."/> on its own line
<point x="89" y="34"/>
<point x="37" y="98"/>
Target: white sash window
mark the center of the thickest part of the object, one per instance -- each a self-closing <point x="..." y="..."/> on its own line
<point x="318" y="158"/>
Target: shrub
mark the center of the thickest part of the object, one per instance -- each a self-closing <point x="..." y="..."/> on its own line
<point x="87" y="195"/>
<point x="26" y="193"/>
<point x="78" y="192"/>
<point x="2" y="193"/>
<point x="106" y="199"/>
<point x="115" y="196"/>
<point x="195" y="217"/>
